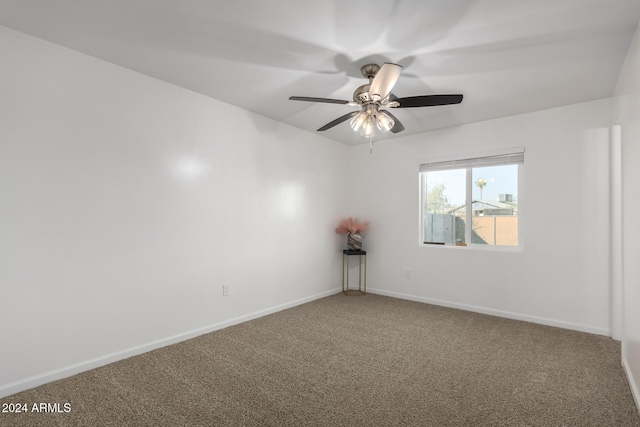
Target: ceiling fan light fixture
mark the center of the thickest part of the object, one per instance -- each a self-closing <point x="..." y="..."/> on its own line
<point x="384" y="121"/>
<point x="358" y="121"/>
<point x="369" y="127"/>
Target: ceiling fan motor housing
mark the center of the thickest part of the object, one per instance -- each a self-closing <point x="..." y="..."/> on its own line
<point x="361" y="94"/>
<point x="369" y="71"/>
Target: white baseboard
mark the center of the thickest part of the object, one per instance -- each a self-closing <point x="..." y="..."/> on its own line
<point x="67" y="371"/>
<point x="497" y="313"/>
<point x="632" y="383"/>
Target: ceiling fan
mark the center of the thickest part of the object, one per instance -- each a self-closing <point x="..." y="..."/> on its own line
<point x="376" y="95"/>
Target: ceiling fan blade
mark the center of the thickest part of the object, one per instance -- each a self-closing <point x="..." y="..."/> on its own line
<point x="338" y="121"/>
<point x="397" y="127"/>
<point x="428" y="100"/>
<point x="310" y="99"/>
<point x="384" y="80"/>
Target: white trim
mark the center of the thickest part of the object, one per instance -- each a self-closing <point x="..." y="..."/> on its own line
<point x="467" y="155"/>
<point x="474" y="247"/>
<point x="67" y="371"/>
<point x="468" y="203"/>
<point x="522" y="205"/>
<point x="632" y="384"/>
<point x="617" y="236"/>
<point x="497" y="313"/>
<point x="422" y="194"/>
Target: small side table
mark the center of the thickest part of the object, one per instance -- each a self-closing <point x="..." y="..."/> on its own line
<point x="345" y="268"/>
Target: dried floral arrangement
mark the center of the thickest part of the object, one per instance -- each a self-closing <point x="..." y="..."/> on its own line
<point x="352" y="226"/>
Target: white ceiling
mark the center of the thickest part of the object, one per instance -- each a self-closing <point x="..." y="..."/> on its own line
<point x="506" y="56"/>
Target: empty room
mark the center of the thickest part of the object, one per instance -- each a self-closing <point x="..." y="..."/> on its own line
<point x="334" y="213"/>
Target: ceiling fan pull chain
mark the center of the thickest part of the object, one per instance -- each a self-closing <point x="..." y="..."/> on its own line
<point x="370" y="144"/>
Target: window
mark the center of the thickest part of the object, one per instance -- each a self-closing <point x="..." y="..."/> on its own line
<point x="482" y="191"/>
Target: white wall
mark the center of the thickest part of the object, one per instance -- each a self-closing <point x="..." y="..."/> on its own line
<point x="627" y="114"/>
<point x="126" y="203"/>
<point x="560" y="278"/>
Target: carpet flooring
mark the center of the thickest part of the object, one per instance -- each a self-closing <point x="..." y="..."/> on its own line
<point x="353" y="361"/>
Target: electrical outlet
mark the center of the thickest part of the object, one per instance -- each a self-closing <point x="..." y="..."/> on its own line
<point x="226" y="289"/>
<point x="407" y="274"/>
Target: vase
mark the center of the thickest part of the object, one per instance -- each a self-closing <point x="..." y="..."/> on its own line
<point x="354" y="242"/>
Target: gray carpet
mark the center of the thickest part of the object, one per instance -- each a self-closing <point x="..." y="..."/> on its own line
<point x="355" y="361"/>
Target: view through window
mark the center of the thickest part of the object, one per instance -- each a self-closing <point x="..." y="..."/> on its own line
<point x="481" y="191"/>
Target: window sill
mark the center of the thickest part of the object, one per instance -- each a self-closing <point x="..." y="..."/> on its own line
<point x="474" y="247"/>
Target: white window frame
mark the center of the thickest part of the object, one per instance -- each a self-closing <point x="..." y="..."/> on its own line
<point x="469" y="161"/>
